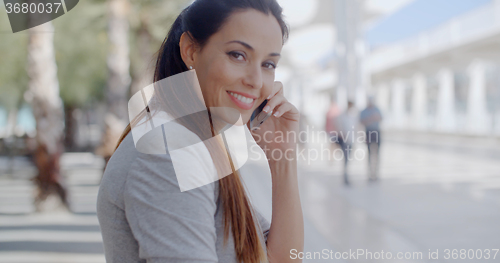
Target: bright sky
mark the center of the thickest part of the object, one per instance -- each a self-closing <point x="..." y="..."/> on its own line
<point x="386" y="6"/>
<point x="399" y="19"/>
<point x="309" y="44"/>
<point x="298" y="12"/>
<point x="417" y="16"/>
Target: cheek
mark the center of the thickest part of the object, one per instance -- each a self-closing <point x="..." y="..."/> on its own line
<point x="217" y="79"/>
<point x="268" y="87"/>
<point x="222" y="77"/>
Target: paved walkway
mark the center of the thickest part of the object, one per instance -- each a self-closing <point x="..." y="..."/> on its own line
<point x="58" y="236"/>
<point x="435" y="193"/>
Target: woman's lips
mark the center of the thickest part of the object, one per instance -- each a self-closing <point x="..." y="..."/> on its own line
<point x="239" y="103"/>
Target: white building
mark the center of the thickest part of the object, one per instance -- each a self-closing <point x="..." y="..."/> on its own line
<point x="445" y="79"/>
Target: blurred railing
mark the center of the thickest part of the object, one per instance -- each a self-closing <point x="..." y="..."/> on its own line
<point x="477" y="24"/>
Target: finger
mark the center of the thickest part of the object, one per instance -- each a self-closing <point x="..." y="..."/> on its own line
<point x="273" y="102"/>
<point x="277" y="89"/>
<point x="282" y="109"/>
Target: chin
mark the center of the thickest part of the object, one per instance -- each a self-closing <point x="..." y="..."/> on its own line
<point x="245" y="114"/>
<point x="229" y="114"/>
<point x="245" y="119"/>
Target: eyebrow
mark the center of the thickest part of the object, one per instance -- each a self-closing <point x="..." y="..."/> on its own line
<point x="251" y="48"/>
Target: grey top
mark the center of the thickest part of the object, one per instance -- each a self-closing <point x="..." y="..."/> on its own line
<point x="371" y="112"/>
<point x="144" y="217"/>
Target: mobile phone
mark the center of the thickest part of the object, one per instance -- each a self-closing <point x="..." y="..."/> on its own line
<point x="258" y="116"/>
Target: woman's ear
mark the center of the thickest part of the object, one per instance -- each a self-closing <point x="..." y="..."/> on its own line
<point x="188" y="49"/>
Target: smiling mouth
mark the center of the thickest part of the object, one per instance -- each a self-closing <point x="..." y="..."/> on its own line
<point x="241" y="101"/>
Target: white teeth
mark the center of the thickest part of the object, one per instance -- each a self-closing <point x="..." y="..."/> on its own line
<point x="241" y="98"/>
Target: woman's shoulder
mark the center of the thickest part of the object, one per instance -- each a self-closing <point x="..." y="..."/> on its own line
<point x="171" y="171"/>
<point x="116" y="172"/>
<point x="161" y="218"/>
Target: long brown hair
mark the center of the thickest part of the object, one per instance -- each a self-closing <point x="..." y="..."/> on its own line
<point x="202" y="19"/>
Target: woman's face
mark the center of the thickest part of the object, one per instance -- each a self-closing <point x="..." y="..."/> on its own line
<point x="236" y="67"/>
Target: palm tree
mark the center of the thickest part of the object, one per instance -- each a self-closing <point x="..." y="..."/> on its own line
<point x="81" y="47"/>
<point x="118" y="83"/>
<point x="43" y="87"/>
<point x="118" y="58"/>
<point x="148" y="28"/>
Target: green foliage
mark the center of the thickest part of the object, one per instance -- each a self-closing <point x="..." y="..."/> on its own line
<point x="13" y="52"/>
<point x="156" y="15"/>
<point x="81" y="44"/>
<point x="152" y="18"/>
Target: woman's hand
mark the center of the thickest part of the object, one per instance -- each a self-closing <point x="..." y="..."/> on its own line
<point x="280" y="131"/>
<point x="277" y="136"/>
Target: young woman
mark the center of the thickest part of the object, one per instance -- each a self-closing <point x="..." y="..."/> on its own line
<point x="234" y="47"/>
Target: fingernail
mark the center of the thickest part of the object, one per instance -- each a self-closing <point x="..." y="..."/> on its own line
<point x="276" y="114"/>
<point x="266" y="109"/>
<point x="268" y="97"/>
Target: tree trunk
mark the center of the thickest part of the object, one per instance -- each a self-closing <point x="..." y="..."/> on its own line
<point x="118" y="59"/>
<point x="48" y="111"/>
<point x="143" y="68"/>
<point x="70" y="127"/>
<point x="118" y="74"/>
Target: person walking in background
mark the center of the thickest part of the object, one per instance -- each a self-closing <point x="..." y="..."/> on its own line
<point x="371" y="118"/>
<point x="331" y="122"/>
<point x="346" y="125"/>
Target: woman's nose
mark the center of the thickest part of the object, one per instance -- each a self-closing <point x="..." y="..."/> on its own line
<point x="253" y="77"/>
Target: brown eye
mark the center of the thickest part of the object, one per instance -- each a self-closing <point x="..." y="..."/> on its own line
<point x="237" y="56"/>
<point x="269" y="65"/>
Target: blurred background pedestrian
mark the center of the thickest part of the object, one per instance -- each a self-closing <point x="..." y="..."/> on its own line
<point x="371" y="118"/>
<point x="331" y="119"/>
<point x="347" y="123"/>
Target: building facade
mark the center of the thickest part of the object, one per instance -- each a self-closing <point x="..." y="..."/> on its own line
<point x="445" y="79"/>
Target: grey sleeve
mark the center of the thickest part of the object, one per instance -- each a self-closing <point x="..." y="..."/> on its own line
<point x="263" y="224"/>
<point x="169" y="225"/>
